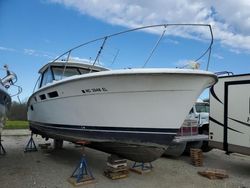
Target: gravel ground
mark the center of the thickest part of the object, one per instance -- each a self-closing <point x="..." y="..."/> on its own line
<point x="50" y="168"/>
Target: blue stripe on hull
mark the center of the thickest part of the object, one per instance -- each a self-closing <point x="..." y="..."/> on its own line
<point x="118" y="134"/>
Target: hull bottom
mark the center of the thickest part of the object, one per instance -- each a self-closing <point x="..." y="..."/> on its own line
<point x="137" y="153"/>
<point x="125" y="146"/>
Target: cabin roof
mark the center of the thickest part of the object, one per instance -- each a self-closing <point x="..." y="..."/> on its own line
<point x="73" y="63"/>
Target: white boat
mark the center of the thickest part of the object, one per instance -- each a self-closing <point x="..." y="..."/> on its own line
<point x="5" y="101"/>
<point x="5" y="98"/>
<point x="128" y="112"/>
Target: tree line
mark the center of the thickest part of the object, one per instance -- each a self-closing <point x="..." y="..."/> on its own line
<point x="18" y="111"/>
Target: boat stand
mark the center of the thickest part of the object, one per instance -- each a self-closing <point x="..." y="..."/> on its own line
<point x="82" y="174"/>
<point x="2" y="150"/>
<point x="141" y="168"/>
<point x="31" y="146"/>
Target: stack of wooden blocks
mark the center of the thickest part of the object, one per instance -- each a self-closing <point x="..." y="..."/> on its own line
<point x="117" y="168"/>
<point x="196" y="157"/>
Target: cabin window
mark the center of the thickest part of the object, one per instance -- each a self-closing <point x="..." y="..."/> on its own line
<point x="53" y="94"/>
<point x="58" y="72"/>
<point x="84" y="71"/>
<point x="202" y="107"/>
<point x="47" y="77"/>
<point x="42" y="97"/>
<point x="191" y="111"/>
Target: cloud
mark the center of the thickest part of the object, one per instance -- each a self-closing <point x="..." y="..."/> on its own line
<point x="38" y="53"/>
<point x="230" y="19"/>
<point x="7" y="49"/>
<point x="30" y="52"/>
<point x="217" y="56"/>
<point x="171" y="41"/>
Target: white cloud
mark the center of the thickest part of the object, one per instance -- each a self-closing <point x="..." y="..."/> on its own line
<point x="29" y="52"/>
<point x="7" y="49"/>
<point x="230" y="19"/>
<point x="217" y="56"/>
<point x="171" y="41"/>
<point x="38" y="53"/>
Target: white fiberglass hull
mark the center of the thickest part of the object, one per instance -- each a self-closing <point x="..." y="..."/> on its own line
<point x="143" y="107"/>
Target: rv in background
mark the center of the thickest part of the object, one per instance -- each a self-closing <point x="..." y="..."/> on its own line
<point x="229" y="127"/>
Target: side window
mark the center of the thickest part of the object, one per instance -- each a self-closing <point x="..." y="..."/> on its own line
<point x="38" y="83"/>
<point x="57" y="73"/>
<point x="84" y="71"/>
<point x="191" y="111"/>
<point x="47" y="77"/>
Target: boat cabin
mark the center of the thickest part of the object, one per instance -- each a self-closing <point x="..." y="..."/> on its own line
<point x="55" y="71"/>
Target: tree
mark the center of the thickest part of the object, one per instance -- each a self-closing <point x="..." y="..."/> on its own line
<point x="18" y="111"/>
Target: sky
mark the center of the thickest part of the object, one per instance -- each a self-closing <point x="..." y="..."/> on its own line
<point x="35" y="32"/>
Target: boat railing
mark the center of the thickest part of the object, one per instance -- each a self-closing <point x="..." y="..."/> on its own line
<point x="108" y="37"/>
<point x="10" y="81"/>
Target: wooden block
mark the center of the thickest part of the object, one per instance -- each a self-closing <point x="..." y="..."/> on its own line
<point x="196" y="157"/>
<point x="214" y="173"/>
<point x="113" y="159"/>
<point x="85" y="181"/>
<point x="140" y="171"/>
<point x="119" y="165"/>
<point x="116" y="175"/>
<point x="110" y="169"/>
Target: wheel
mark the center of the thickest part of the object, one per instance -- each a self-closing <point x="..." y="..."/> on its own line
<point x="175" y="150"/>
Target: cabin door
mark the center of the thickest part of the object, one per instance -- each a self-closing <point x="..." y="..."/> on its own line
<point x="238" y="113"/>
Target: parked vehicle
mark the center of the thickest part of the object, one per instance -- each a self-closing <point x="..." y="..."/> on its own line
<point x="200" y="113"/>
<point x="193" y="133"/>
<point x="187" y="137"/>
<point x="229" y="127"/>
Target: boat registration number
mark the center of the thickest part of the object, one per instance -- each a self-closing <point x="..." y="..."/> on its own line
<point x="94" y="90"/>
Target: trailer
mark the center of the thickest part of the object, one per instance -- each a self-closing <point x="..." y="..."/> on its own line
<point x="229" y="121"/>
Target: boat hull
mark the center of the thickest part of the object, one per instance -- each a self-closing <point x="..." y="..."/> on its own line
<point x="132" y="108"/>
<point x="124" y="149"/>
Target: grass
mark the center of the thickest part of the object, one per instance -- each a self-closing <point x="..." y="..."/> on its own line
<point x="10" y="124"/>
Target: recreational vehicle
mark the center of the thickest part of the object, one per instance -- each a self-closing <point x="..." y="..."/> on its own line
<point x="229" y="127"/>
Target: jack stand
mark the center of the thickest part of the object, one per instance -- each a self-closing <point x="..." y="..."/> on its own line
<point x="2" y="150"/>
<point x="31" y="146"/>
<point x="82" y="173"/>
<point x="141" y="168"/>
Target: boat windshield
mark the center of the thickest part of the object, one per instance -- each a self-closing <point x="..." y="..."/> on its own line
<point x="202" y="107"/>
<point x="56" y="73"/>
